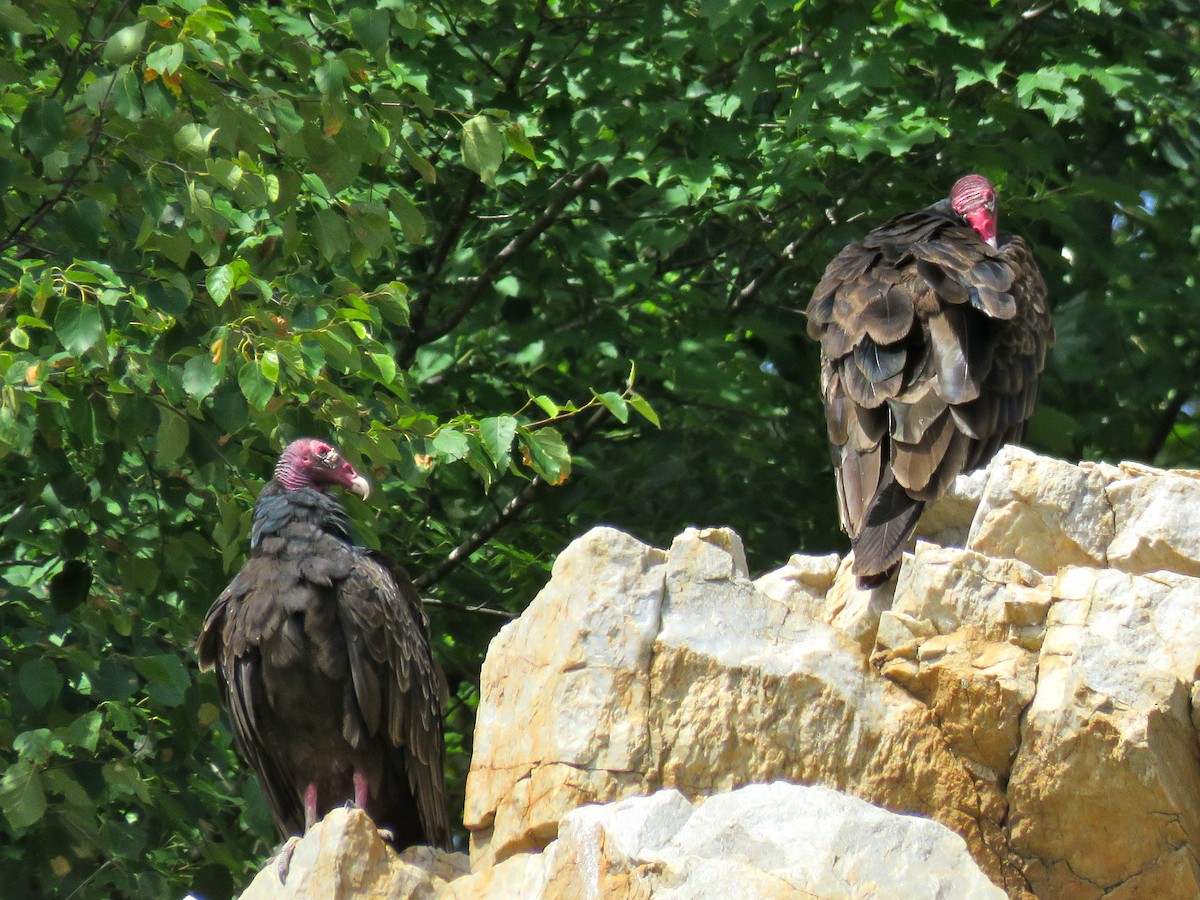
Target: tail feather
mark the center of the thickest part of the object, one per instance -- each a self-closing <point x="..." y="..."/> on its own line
<point x="890" y="521"/>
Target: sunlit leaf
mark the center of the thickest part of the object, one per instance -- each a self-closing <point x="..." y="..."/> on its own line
<point x="498" y="433"/>
<point x="483" y="148"/>
<point x="78" y="325"/>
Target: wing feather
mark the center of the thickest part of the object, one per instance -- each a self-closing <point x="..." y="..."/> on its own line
<point x="932" y="346"/>
<point x="397" y="679"/>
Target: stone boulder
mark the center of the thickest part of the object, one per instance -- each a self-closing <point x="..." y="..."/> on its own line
<point x="1028" y="680"/>
<point x="762" y="841"/>
<point x="343" y="857"/>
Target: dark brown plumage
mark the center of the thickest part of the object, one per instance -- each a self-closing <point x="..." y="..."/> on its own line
<point x="323" y="658"/>
<point x="933" y="335"/>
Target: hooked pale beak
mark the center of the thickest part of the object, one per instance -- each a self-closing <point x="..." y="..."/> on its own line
<point x="360" y="486"/>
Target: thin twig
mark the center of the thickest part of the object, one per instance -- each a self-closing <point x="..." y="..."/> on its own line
<point x="459" y="554"/>
<point x="461" y="607"/>
<point x="792" y="250"/>
<point x="549" y="216"/>
<point x="507" y="513"/>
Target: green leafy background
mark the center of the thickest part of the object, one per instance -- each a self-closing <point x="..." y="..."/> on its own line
<point x="535" y="266"/>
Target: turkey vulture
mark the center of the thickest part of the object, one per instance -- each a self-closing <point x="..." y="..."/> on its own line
<point x="323" y="659"/>
<point x="933" y="333"/>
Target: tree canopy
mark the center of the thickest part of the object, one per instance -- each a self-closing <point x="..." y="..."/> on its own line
<point x="534" y="267"/>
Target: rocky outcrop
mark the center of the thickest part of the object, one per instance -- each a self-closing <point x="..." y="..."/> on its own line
<point x="1027" y="680"/>
<point x="1026" y="686"/>
<point x="343" y="857"/>
<point x="762" y="841"/>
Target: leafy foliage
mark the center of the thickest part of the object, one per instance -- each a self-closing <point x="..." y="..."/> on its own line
<point x="535" y="266"/>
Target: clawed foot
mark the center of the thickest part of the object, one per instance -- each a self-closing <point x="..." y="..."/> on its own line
<point x="283" y="859"/>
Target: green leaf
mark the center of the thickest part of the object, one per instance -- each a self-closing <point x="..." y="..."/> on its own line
<point x="412" y="223"/>
<point x="498" y="433"/>
<point x="40" y="681"/>
<point x="167" y="676"/>
<point x="125" y="45"/>
<point x="126" y="96"/>
<point x="422" y="166"/>
<point x="42" y="126"/>
<point x="256" y="387"/>
<point x="638" y="402"/>
<point x="330" y="233"/>
<point x="371" y="28"/>
<point x="201" y="376"/>
<point x="269" y="364"/>
<point x="226" y="173"/>
<point x="483" y="148"/>
<point x="392" y="302"/>
<point x="59" y="781"/>
<point x="193" y="139"/>
<point x="85" y="731"/>
<point x="124" y="780"/>
<point x="615" y="404"/>
<point x="78" y="325"/>
<point x="450" y="445"/>
<point x="517" y="140"/>
<point x="15" y="19"/>
<point x="171" y="439"/>
<point x="22" y="797"/>
<point x="38" y="745"/>
<point x="166" y="59"/>
<point x="549" y="407"/>
<point x="219" y="282"/>
<point x="385" y="365"/>
<point x="547" y="453"/>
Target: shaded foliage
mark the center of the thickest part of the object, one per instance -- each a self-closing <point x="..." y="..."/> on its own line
<point x="445" y="232"/>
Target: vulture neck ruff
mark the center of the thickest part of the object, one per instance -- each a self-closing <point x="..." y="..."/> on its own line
<point x="277" y="507"/>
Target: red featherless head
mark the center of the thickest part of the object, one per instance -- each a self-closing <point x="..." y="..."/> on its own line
<point x="974" y="198"/>
<point x="313" y="463"/>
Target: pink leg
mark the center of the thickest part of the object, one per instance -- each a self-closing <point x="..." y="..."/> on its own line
<point x="310" y="806"/>
<point x="361" y="789"/>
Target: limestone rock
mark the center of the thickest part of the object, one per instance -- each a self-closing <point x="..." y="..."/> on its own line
<point x="802" y="583"/>
<point x="1020" y="689"/>
<point x="565" y="696"/>
<point x="947" y="521"/>
<point x="1155" y="515"/>
<point x="1105" y="792"/>
<point x="343" y="856"/>
<point x="1044" y="512"/>
<point x="1029" y="680"/>
<point x="764" y="841"/>
<point x="721" y="685"/>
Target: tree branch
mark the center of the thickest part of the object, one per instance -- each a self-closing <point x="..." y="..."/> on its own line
<point x="462" y="552"/>
<point x="748" y="293"/>
<point x="484" y="280"/>
<point x="1165" y="426"/>
<point x="507" y="514"/>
